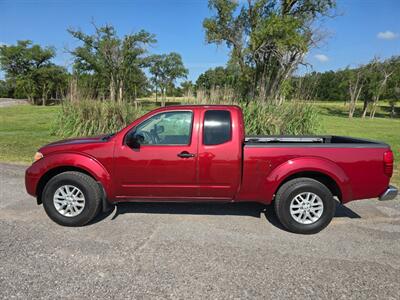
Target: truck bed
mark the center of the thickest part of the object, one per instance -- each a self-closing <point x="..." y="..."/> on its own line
<point x="359" y="161"/>
<point x="311" y="141"/>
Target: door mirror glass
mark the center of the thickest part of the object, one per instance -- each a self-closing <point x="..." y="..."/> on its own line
<point x="134" y="140"/>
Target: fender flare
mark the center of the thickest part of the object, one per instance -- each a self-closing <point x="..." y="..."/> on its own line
<point x="307" y="164"/>
<point x="73" y="160"/>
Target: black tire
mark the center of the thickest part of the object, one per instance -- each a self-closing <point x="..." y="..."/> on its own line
<point x="291" y="189"/>
<point x="90" y="190"/>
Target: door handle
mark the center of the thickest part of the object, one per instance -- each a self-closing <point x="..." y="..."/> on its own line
<point x="185" y="154"/>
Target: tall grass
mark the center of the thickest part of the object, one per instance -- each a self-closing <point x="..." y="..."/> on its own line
<point x="291" y="118"/>
<point x="89" y="117"/>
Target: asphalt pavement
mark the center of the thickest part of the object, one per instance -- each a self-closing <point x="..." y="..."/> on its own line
<point x="200" y="251"/>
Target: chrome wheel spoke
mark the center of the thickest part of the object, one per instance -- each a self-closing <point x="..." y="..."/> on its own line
<point x="69" y="200"/>
<point x="306" y="208"/>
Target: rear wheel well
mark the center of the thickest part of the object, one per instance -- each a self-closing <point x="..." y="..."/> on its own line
<point x="321" y="177"/>
<point x="53" y="172"/>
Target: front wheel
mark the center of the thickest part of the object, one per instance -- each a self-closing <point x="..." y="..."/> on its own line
<point x="72" y="198"/>
<point x="304" y="205"/>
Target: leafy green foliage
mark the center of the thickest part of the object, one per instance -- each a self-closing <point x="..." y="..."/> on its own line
<point x="217" y="77"/>
<point x="268" y="39"/>
<point x="114" y="63"/>
<point x="5" y="89"/>
<point x="333" y="85"/>
<point x="166" y="68"/>
<point x="30" y="72"/>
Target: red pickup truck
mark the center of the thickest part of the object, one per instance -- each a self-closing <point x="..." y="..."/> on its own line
<point x="200" y="153"/>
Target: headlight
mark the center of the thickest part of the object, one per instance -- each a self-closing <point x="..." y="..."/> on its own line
<point x="37" y="156"/>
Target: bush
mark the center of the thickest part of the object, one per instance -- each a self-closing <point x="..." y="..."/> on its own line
<point x="89" y="117"/>
<point x="292" y="118"/>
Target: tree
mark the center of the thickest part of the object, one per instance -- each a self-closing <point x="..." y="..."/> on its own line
<point x="5" y="89"/>
<point x="116" y="62"/>
<point x="217" y="77"/>
<point x="30" y="72"/>
<point x="376" y="78"/>
<point x="393" y="85"/>
<point x="268" y="39"/>
<point x="166" y="68"/>
<point x="187" y="88"/>
<point x="356" y="83"/>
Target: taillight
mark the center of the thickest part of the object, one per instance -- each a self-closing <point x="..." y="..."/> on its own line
<point x="388" y="163"/>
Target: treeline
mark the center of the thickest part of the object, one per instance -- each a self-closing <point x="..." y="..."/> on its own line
<point x="30" y="73"/>
<point x="105" y="66"/>
<point x="369" y="83"/>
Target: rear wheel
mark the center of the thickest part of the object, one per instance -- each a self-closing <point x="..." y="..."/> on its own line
<point x="72" y="198"/>
<point x="304" y="205"/>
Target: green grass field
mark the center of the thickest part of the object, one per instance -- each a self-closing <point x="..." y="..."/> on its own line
<point x="23" y="129"/>
<point x="335" y="122"/>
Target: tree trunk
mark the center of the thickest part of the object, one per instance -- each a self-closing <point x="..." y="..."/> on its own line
<point x="365" y="109"/>
<point x="373" y="108"/>
<point x="392" y="111"/>
<point x="112" y="89"/>
<point x="163" y="92"/>
<point x="156" y="89"/>
<point x="351" y="110"/>
<point x="120" y="92"/>
<point x="135" y="93"/>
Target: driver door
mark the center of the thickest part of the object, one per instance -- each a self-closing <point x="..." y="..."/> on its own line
<point x="165" y="164"/>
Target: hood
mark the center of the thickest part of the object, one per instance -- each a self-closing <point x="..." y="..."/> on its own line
<point x="75" y="141"/>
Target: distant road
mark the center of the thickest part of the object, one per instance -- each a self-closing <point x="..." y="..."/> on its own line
<point x="196" y="251"/>
<point x="4" y="102"/>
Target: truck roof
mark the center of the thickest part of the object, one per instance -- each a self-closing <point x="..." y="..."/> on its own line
<point x="226" y="106"/>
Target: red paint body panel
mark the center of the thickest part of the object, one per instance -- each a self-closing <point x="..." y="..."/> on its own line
<point x="220" y="166"/>
<point x="232" y="171"/>
<point x="358" y="172"/>
<point x="155" y="171"/>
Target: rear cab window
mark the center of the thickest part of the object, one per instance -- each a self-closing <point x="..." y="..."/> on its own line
<point x="217" y="128"/>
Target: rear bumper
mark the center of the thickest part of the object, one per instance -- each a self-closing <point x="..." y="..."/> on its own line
<point x="390" y="193"/>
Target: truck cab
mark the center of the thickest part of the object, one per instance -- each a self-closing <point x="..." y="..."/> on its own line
<point x="167" y="154"/>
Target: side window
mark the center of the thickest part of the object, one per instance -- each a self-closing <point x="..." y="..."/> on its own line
<point x="169" y="128"/>
<point x="217" y="127"/>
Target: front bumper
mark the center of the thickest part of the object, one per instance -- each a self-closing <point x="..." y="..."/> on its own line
<point x="390" y="193"/>
<point x="31" y="181"/>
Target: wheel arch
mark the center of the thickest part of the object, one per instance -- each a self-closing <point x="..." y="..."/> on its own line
<point x="44" y="179"/>
<point x="321" y="177"/>
<point x="323" y="170"/>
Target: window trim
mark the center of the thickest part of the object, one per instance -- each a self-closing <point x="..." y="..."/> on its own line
<point x="231" y="131"/>
<point x="159" y="113"/>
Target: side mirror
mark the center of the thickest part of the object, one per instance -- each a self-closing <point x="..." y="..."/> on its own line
<point x="133" y="140"/>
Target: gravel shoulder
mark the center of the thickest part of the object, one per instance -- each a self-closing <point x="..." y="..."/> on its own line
<point x="194" y="251"/>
